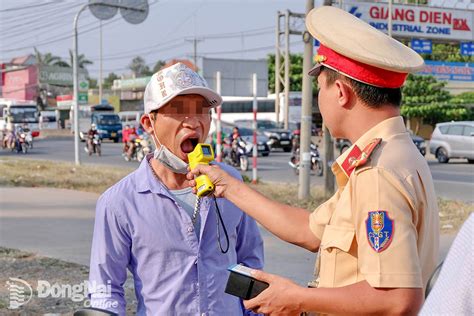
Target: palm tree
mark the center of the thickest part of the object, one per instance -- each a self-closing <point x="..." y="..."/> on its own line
<point x="48" y="59"/>
<point x="82" y="62"/>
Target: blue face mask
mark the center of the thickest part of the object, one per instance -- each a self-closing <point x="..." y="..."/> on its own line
<point x="166" y="157"/>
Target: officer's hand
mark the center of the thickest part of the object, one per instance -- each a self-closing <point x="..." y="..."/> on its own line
<point x="280" y="298"/>
<point x="221" y="179"/>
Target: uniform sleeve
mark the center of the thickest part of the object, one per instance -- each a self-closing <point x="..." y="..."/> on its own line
<point x="386" y="235"/>
<point x="110" y="255"/>
<point x="321" y="216"/>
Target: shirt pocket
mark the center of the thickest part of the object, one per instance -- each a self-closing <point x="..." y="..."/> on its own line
<point x="338" y="262"/>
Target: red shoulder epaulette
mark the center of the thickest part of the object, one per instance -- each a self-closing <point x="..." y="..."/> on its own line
<point x="357" y="158"/>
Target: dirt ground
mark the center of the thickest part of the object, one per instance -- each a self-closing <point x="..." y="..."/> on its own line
<point x="31" y="268"/>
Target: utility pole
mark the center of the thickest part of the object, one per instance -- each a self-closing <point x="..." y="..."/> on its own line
<point x="278" y="79"/>
<point x="195" y="41"/>
<point x="100" y="61"/>
<point x="293" y="24"/>
<point x="306" y="114"/>
<point x="329" y="180"/>
<point x="287" y="68"/>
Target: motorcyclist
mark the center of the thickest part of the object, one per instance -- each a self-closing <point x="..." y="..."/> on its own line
<point x="295" y="141"/>
<point x="90" y="136"/>
<point x="8" y="138"/>
<point x="235" y="143"/>
<point x="125" y="133"/>
<point x="132" y="135"/>
<point x="17" y="132"/>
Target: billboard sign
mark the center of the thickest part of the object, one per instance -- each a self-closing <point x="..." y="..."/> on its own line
<point x="59" y="76"/>
<point x="449" y="71"/>
<point x="416" y="21"/>
<point x="467" y="48"/>
<point x="421" y="46"/>
<point x="236" y="75"/>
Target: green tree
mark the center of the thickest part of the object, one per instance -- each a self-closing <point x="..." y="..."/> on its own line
<point x="424" y="97"/>
<point x="159" y="64"/>
<point x="92" y="83"/>
<point x="447" y="52"/>
<point x="296" y="73"/>
<point x="82" y="61"/>
<point x="139" y="67"/>
<point x="109" y="80"/>
<point x="47" y="59"/>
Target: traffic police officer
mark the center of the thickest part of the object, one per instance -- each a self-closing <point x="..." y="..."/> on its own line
<point x="378" y="235"/>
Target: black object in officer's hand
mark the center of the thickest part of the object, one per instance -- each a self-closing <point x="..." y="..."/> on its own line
<point x="242" y="284"/>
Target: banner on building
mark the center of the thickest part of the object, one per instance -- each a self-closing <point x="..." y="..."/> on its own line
<point x="449" y="71"/>
<point x="416" y="21"/>
<point x="59" y="76"/>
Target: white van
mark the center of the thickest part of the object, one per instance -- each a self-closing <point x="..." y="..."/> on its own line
<point x="131" y="118"/>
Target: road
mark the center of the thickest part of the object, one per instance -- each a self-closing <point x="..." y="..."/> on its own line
<point x="59" y="223"/>
<point x="452" y="181"/>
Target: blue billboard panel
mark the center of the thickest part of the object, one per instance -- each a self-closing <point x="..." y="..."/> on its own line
<point x="449" y="71"/>
<point x="421" y="46"/>
<point x="467" y="48"/>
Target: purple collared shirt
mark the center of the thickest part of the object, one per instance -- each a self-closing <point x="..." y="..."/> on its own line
<point x="139" y="226"/>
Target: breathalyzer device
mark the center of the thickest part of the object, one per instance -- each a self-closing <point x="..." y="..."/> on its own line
<point x="202" y="155"/>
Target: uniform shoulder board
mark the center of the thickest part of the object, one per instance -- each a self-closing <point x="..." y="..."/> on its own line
<point x="364" y="156"/>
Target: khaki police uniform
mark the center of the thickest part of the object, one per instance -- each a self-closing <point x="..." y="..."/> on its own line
<point x="381" y="225"/>
<point x="392" y="180"/>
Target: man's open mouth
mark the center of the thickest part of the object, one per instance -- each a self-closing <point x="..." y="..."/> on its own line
<point x="189" y="144"/>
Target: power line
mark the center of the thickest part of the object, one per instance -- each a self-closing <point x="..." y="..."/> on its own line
<point x="40" y="26"/>
<point x="245" y="50"/>
<point x="30" y="6"/>
<point x="64" y="37"/>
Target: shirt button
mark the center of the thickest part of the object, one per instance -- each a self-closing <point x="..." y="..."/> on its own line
<point x="190" y="229"/>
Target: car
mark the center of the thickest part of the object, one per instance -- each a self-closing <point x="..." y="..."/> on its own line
<point x="278" y="137"/>
<point x="419" y="142"/>
<point x="262" y="140"/>
<point x="246" y="133"/>
<point x="344" y="144"/>
<point x="453" y="140"/>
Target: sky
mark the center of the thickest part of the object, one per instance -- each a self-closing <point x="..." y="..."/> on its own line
<point x="226" y="29"/>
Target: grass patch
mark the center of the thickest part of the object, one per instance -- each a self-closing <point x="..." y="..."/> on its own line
<point x="64" y="175"/>
<point x="96" y="179"/>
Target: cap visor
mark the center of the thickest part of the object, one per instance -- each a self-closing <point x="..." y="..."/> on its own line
<point x="213" y="98"/>
<point x="315" y="70"/>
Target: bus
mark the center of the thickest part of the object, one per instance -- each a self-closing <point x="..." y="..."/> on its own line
<point x="13" y="112"/>
<point x="241" y="108"/>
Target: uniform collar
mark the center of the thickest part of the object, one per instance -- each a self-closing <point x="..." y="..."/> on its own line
<point x="366" y="143"/>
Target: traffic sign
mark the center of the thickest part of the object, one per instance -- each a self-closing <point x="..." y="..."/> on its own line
<point x="422" y="46"/>
<point x="84" y="85"/>
<point x="83" y="98"/>
<point x="467" y="48"/>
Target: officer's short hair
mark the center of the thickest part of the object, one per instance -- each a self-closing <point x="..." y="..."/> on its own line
<point x="372" y="96"/>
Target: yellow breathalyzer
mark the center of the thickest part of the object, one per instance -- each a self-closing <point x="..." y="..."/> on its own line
<point x="202" y="155"/>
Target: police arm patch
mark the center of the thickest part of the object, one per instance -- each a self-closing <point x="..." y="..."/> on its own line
<point x="380" y="229"/>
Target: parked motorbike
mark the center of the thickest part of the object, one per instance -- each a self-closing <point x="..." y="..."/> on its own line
<point x="236" y="153"/>
<point x="316" y="161"/>
<point x="93" y="145"/>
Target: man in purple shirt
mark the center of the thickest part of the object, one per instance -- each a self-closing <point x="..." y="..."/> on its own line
<point x="147" y="222"/>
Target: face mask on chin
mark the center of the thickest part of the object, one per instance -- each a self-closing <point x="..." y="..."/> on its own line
<point x="166" y="157"/>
